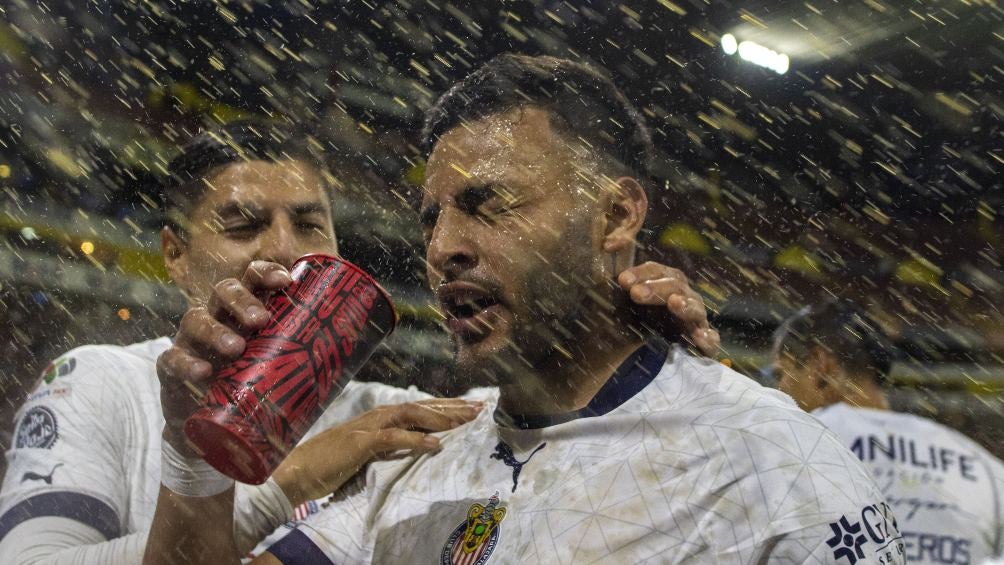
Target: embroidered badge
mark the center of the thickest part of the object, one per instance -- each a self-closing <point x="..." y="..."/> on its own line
<point x="38" y="429"/>
<point x="474" y="540"/>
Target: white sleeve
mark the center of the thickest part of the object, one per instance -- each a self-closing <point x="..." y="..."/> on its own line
<point x="67" y="465"/>
<point x="63" y="541"/>
<point x="862" y="540"/>
<point x="258" y="511"/>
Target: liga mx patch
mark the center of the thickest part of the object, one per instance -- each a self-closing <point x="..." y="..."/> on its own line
<point x="474" y="540"/>
<point x="38" y="429"/>
<point x="59" y="368"/>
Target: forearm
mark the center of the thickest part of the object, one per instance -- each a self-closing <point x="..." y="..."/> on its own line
<point x="192" y="530"/>
<point x="194" y="519"/>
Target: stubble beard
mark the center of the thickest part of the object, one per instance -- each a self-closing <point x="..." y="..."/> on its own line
<point x="551" y="316"/>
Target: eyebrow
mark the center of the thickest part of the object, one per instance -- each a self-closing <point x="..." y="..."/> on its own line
<point x="231" y="209"/>
<point x="468" y="200"/>
<point x="307" y="208"/>
<point x="474" y="196"/>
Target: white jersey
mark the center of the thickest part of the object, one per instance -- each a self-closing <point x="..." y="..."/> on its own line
<point x="84" y="468"/>
<point x="944" y="488"/>
<point x="682" y="461"/>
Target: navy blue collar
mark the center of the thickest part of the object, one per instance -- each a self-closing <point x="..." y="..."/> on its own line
<point x="633" y="375"/>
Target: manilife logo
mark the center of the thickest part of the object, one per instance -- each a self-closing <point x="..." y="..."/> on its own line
<point x="874" y="531"/>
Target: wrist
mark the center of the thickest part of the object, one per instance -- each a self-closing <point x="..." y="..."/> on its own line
<point x="189" y="475"/>
<point x="286" y="479"/>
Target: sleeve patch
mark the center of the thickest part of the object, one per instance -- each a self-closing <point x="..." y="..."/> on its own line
<point x="59" y="368"/>
<point x="874" y="532"/>
<point x="38" y="429"/>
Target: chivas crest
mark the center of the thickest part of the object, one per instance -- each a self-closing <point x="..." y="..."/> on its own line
<point x="474" y="540"/>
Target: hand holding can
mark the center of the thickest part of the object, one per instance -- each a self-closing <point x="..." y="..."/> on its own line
<point x="323" y="328"/>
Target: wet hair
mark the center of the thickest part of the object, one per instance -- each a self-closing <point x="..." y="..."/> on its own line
<point x="582" y="102"/>
<point x="843" y="329"/>
<point x="207" y="153"/>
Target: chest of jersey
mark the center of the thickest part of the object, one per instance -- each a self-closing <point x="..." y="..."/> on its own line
<point x="615" y="490"/>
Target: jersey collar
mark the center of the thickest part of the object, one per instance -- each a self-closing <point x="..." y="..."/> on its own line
<point x="631" y="377"/>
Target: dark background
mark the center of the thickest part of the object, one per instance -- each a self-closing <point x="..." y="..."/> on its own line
<point x="869" y="170"/>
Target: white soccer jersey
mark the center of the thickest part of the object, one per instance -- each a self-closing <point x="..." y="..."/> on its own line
<point x="682" y="462"/>
<point x="944" y="488"/>
<point x="86" y="452"/>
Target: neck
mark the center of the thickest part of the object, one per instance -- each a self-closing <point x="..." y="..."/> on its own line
<point x="568" y="380"/>
<point x="866" y="394"/>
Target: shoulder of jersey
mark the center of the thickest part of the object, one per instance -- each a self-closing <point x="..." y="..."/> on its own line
<point x="698" y="377"/>
<point x="94" y="364"/>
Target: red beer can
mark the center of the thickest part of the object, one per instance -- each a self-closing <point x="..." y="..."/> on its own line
<point x="324" y="327"/>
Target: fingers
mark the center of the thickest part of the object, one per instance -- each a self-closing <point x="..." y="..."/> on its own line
<point x="265" y="276"/>
<point x="397" y="439"/>
<point x="436" y="415"/>
<point x="648" y="271"/>
<point x="183" y="381"/>
<point x="708" y="341"/>
<point x="235" y="304"/>
<point x="204" y="336"/>
<point x="240" y="303"/>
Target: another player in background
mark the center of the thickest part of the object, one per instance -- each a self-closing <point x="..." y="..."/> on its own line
<point x="86" y="460"/>
<point x="944" y="488"/>
<point x="606" y="443"/>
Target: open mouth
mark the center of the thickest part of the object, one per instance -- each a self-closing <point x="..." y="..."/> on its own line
<point x="468" y="310"/>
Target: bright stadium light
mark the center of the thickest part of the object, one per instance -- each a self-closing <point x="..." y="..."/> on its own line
<point x="757" y="54"/>
<point x="729" y="44"/>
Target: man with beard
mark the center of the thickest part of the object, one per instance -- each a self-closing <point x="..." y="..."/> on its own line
<point x="945" y="489"/>
<point x="244" y="200"/>
<point x="604" y="443"/>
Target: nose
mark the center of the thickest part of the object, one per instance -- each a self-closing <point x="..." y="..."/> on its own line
<point x="279" y="243"/>
<point x="451" y="249"/>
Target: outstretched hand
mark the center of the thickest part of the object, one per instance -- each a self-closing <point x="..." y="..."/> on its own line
<point x="321" y="465"/>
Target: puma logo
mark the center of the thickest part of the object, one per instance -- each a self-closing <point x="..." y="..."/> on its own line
<point x="504" y="453"/>
<point x="31" y="476"/>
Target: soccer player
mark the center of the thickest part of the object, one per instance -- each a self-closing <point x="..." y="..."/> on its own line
<point x="86" y="461"/>
<point x="603" y="443"/>
<point x="85" y="466"/>
<point x="944" y="488"/>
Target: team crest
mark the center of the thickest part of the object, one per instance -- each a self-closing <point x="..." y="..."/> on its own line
<point x="474" y="540"/>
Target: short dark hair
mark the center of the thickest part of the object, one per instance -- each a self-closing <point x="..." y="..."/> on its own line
<point x="585" y="102"/>
<point x="205" y="154"/>
<point x="842" y="328"/>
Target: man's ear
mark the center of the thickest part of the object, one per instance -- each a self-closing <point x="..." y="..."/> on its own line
<point x="626" y="211"/>
<point x="824" y="370"/>
<point x="175" y="253"/>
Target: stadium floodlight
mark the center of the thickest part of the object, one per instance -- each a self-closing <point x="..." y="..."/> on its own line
<point x="757" y="54"/>
<point x="729" y="44"/>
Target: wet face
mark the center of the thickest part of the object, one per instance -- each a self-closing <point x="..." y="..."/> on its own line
<point x="513" y="239"/>
<point x="274" y="211"/>
<point x="798" y="380"/>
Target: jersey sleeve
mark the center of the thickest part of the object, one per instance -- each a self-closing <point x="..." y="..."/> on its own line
<point x="865" y="536"/>
<point x="336" y="534"/>
<point x="67" y="455"/>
